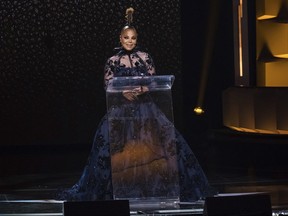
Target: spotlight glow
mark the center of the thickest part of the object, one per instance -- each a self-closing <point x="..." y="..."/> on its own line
<point x="198" y="110"/>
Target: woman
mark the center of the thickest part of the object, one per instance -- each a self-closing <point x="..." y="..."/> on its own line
<point x="95" y="182"/>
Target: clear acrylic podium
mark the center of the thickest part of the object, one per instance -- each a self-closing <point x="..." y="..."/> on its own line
<point x="142" y="141"/>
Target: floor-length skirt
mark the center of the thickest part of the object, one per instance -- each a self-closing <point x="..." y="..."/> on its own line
<point x="95" y="182"/>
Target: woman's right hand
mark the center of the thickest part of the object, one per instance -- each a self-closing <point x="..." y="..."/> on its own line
<point x="130" y="95"/>
<point x="133" y="94"/>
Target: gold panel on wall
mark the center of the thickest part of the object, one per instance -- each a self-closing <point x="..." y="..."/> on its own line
<point x="273" y="74"/>
<point x="268" y="7"/>
<point x="272" y="43"/>
<point x="256" y="110"/>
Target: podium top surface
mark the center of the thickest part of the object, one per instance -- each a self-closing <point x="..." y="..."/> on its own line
<point x="160" y="82"/>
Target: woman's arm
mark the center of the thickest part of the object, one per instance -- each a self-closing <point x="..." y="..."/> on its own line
<point x="150" y="64"/>
<point x="108" y="72"/>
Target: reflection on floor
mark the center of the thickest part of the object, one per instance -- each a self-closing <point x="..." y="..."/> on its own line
<point x="34" y="194"/>
<point x="234" y="163"/>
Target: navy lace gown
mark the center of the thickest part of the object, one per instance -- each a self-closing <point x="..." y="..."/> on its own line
<point x="95" y="182"/>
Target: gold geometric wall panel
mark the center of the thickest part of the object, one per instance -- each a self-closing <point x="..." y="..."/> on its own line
<point x="272" y="43"/>
<point x="256" y="110"/>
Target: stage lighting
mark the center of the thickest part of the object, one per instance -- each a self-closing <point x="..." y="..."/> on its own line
<point x="198" y="111"/>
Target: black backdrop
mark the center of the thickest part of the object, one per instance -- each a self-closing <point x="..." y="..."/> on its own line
<point x="52" y="56"/>
<point x="207" y="46"/>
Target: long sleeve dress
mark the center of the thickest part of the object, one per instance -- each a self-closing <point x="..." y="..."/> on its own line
<point x="95" y="182"/>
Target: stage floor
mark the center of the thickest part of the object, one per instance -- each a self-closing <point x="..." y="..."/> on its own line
<point x="234" y="163"/>
<point x="34" y="194"/>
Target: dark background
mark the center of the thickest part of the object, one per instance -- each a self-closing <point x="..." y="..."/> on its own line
<point x="208" y="61"/>
<point x="52" y="56"/>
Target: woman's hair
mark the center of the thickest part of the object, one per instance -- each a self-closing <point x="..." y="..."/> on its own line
<point x="128" y="27"/>
<point x="129" y="20"/>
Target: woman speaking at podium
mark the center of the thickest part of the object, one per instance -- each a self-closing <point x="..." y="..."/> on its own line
<point x="95" y="182"/>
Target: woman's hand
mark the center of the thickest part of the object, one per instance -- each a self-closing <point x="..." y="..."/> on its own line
<point x="134" y="93"/>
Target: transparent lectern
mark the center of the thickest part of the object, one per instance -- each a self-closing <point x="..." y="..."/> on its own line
<point x="142" y="140"/>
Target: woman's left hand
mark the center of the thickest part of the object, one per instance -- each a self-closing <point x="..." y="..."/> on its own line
<point x="134" y="93"/>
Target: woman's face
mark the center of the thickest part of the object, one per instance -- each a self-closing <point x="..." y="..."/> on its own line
<point x="128" y="39"/>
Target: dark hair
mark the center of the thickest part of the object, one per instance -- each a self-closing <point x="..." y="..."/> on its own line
<point x="128" y="27"/>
